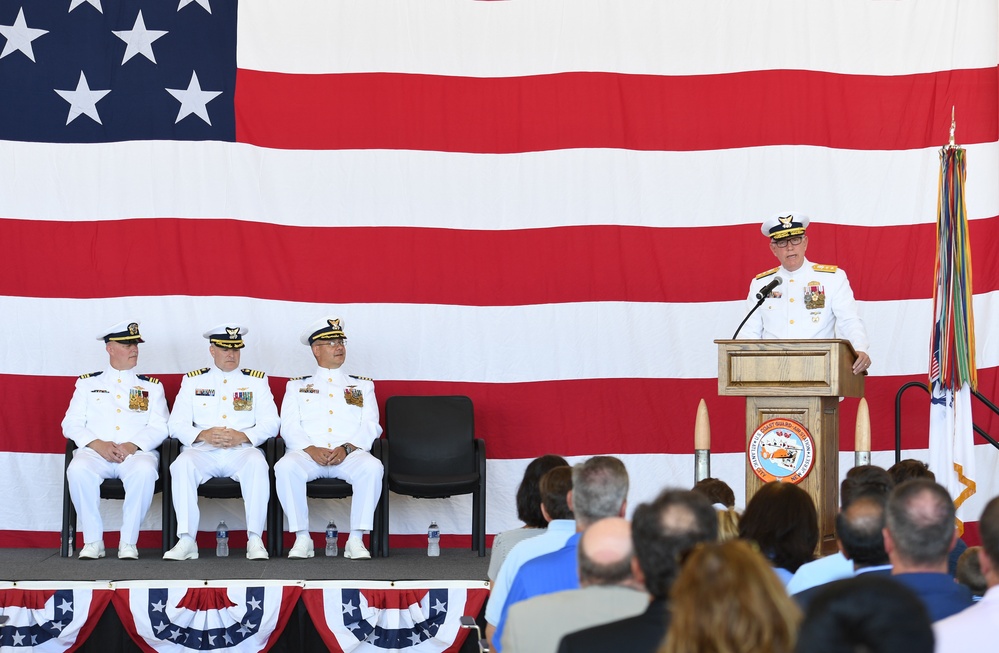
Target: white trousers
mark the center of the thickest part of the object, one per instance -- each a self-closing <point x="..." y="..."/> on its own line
<point x="362" y="470"/>
<point x="86" y="472"/>
<point x="244" y="464"/>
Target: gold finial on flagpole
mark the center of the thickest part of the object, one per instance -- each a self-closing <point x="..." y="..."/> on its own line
<point x="953" y="126"/>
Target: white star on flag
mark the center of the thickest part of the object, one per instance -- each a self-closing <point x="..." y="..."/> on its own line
<point x="254" y="603"/>
<point x="73" y="4"/>
<point x="58" y="625"/>
<point x="139" y="40"/>
<point x="348" y="608"/>
<point x="82" y="100"/>
<point x="203" y="3"/>
<point x="159" y="629"/>
<point x="193" y="99"/>
<point x="65" y="606"/>
<point x="415" y="639"/>
<point x="19" y="36"/>
<point x="158" y="606"/>
<point x="439" y="607"/>
<point x="18" y="638"/>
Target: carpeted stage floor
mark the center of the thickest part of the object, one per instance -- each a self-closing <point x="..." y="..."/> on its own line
<point x="402" y="564"/>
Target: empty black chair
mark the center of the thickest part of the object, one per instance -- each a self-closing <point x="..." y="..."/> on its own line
<point x="333" y="488"/>
<point x="113" y="488"/>
<point x="433" y="454"/>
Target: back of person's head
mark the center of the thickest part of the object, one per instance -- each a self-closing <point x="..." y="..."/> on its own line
<point x="988" y="529"/>
<point x="529" y="492"/>
<point x="864" y="479"/>
<point x="781" y="518"/>
<point x="716" y="490"/>
<point x="555" y="486"/>
<point x="859" y="529"/>
<point x="664" y="529"/>
<point x="727" y="598"/>
<point x="866" y="614"/>
<point x="599" y="489"/>
<point x="908" y="469"/>
<point x="969" y="571"/>
<point x="728" y="524"/>
<point x="920" y="520"/>
<point x="605" y="553"/>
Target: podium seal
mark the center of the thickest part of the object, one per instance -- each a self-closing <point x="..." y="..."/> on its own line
<point x="781" y="450"/>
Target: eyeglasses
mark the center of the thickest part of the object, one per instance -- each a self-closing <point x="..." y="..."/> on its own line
<point x="332" y="342"/>
<point x="784" y="242"/>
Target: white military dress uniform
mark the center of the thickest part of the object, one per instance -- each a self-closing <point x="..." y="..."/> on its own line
<point x="328" y="409"/>
<point x="814" y="301"/>
<point x="241" y="400"/>
<point x="118" y="406"/>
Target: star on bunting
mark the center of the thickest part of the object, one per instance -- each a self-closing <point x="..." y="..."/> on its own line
<point x="193" y="99"/>
<point x="82" y="100"/>
<point x="139" y="40"/>
<point x="19" y="36"/>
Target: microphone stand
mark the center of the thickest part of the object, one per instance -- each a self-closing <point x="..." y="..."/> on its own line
<point x="743" y="323"/>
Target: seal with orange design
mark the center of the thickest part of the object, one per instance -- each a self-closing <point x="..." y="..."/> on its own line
<point x="781" y="450"/>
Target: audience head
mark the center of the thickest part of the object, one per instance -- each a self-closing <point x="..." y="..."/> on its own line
<point x="727" y="598"/>
<point x="988" y="529"/>
<point x="969" y="571"/>
<point x="555" y="486"/>
<point x="868" y="613"/>
<point x="919" y="525"/>
<point x="529" y="492"/>
<point x="728" y="524"/>
<point x="782" y="520"/>
<point x="605" y="553"/>
<point x="864" y="479"/>
<point x="717" y="491"/>
<point x="908" y="469"/>
<point x="860" y="530"/>
<point x="664" y="529"/>
<point x="599" y="489"/>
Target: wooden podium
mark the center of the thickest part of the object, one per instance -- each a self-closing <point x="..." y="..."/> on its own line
<point x="800" y="380"/>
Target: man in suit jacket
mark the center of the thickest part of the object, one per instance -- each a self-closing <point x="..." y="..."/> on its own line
<point x="661" y="532"/>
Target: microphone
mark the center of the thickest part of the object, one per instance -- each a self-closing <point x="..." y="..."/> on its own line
<point x="767" y="289"/>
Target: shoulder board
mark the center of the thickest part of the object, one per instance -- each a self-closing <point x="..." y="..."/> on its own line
<point x="362" y="378"/>
<point x="825" y="268"/>
<point x="92" y="374"/>
<point x="254" y="373"/>
<point x="203" y="370"/>
<point x="146" y="377"/>
<point x="299" y="378"/>
<point x="767" y="273"/>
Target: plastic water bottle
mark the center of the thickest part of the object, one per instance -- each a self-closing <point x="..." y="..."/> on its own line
<point x="222" y="540"/>
<point x="433" y="539"/>
<point x="331" y="535"/>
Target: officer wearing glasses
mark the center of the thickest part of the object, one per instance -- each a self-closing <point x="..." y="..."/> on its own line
<point x="814" y="301"/>
<point x="329" y="420"/>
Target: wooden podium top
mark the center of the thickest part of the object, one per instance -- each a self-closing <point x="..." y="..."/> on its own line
<point x="802" y="368"/>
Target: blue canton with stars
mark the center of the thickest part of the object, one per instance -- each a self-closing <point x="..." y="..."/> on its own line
<point x="92" y="71"/>
<point x="212" y="638"/>
<point x="39" y="633"/>
<point x="395" y="638"/>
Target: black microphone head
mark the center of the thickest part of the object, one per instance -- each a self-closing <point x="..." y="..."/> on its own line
<point x="778" y="281"/>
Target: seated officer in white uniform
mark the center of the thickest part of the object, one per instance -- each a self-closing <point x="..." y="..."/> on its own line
<point x="221" y="415"/>
<point x="117" y="419"/>
<point x="814" y="301"/>
<point x="329" y="421"/>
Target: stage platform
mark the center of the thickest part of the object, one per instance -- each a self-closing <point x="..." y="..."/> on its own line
<point x="404" y="564"/>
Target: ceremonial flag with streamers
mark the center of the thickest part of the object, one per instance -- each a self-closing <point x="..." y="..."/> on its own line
<point x="953" y="374"/>
<point x="380" y="617"/>
<point x="47" y="620"/>
<point x="552" y="207"/>
<point x="231" y="616"/>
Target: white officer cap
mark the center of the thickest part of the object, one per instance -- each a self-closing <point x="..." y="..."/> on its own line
<point x="324" y="329"/>
<point x="125" y="332"/>
<point x="785" y="225"/>
<point x="227" y="335"/>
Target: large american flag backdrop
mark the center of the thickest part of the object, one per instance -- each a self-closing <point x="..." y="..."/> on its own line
<point x="551" y="206"/>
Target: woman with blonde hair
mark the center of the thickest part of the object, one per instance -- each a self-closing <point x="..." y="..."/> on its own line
<point x="727" y="599"/>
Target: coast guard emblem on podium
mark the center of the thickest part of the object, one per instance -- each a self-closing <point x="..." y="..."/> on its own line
<point x="781" y="450"/>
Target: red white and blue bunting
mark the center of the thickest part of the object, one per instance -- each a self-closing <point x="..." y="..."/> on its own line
<point x="47" y="619"/>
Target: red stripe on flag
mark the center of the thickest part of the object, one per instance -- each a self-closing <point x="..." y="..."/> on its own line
<point x="612" y="110"/>
<point x="457" y="267"/>
<point x="524" y="420"/>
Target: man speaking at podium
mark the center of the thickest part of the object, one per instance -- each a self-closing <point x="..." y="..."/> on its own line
<point x="806" y="300"/>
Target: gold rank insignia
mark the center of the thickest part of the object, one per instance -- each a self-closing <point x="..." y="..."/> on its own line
<point x="362" y="378"/>
<point x="242" y="399"/>
<point x="825" y="268"/>
<point x="203" y="370"/>
<point x="767" y="273"/>
<point x="91" y="375"/>
<point x="147" y="378"/>
<point x="138" y="399"/>
<point x="254" y="373"/>
<point x="353" y="396"/>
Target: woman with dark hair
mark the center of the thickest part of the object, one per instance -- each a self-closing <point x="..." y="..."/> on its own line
<point x="528" y="511"/>
<point x="782" y="520"/>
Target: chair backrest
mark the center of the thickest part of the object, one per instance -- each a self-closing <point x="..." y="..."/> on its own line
<point x="430" y="436"/>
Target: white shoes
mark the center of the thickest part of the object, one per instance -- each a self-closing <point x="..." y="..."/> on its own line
<point x="93" y="551"/>
<point x="185" y="549"/>
<point x="304" y="548"/>
<point x="127" y="552"/>
<point x="255" y="549"/>
<point x="354" y="550"/>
